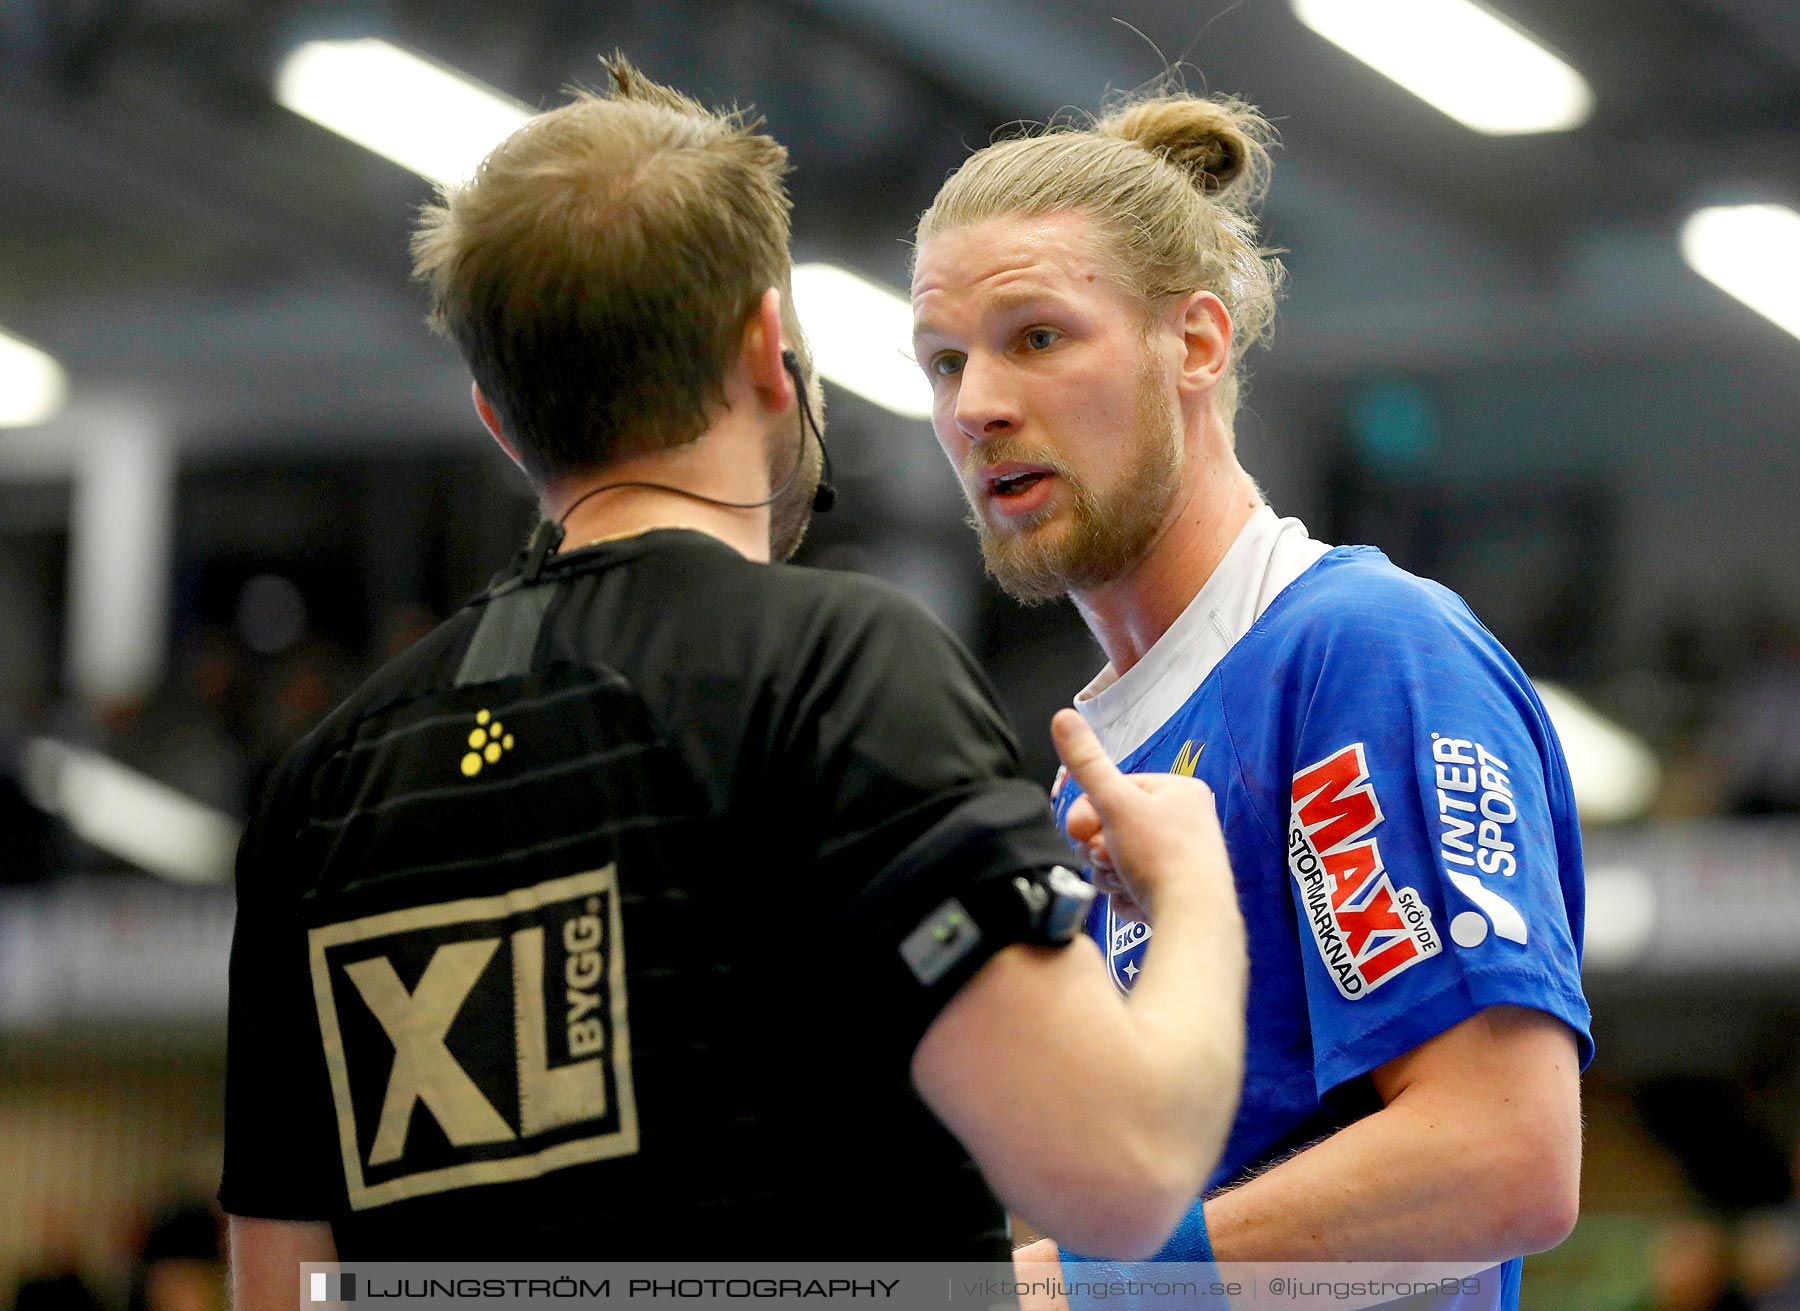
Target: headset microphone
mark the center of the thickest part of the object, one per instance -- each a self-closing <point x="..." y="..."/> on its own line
<point x="825" y="495"/>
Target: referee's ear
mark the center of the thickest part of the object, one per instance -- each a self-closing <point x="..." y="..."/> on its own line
<point x="492" y="421"/>
<point x="760" y="355"/>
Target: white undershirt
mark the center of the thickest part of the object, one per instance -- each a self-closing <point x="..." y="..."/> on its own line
<point x="1125" y="709"/>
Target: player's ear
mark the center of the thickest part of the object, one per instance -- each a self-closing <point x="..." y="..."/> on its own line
<point x="492" y="421"/>
<point x="759" y="354"/>
<point x="1205" y="327"/>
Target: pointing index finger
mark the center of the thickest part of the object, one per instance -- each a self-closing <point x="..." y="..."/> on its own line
<point x="1087" y="761"/>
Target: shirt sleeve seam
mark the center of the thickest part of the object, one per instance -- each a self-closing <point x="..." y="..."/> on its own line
<point x="1256" y="803"/>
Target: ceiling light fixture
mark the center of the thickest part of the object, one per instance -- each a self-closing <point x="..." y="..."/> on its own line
<point x="1614" y="773"/>
<point x="440" y="124"/>
<point x="33" y="386"/>
<point x="1459" y="57"/>
<point x="130" y="815"/>
<point x="861" y="337"/>
<point x="1751" y="252"/>
<point x="423" y="116"/>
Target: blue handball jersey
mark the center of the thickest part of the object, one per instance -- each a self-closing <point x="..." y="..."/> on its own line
<point x="1403" y="836"/>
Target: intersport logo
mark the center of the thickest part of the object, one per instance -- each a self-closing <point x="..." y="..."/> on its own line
<point x="1367" y="930"/>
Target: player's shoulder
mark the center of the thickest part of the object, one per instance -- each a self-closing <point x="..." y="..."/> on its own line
<point x="1356" y="615"/>
<point x="1355" y="593"/>
<point x="1358" y="583"/>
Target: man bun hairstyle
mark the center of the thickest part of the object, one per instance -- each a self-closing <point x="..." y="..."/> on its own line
<point x="599" y="269"/>
<point x="1217" y="143"/>
<point x="1170" y="180"/>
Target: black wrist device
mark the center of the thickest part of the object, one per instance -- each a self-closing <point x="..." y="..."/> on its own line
<point x="1056" y="904"/>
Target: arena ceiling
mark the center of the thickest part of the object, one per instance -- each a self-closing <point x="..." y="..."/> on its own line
<point x="194" y="253"/>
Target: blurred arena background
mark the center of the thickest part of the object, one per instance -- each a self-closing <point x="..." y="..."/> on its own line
<point x="237" y="473"/>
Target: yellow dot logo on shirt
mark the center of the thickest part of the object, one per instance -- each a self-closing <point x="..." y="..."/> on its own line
<point x="488" y="741"/>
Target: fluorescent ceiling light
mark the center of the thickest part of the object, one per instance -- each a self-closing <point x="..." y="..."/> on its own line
<point x="1615" y="775"/>
<point x="1458" y="57"/>
<point x="861" y="337"/>
<point x="421" y="115"/>
<point x="130" y="815"/>
<point x="1751" y="252"/>
<point x="440" y="124"/>
<point x="33" y="386"/>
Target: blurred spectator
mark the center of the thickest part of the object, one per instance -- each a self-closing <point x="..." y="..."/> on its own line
<point x="1768" y="1259"/>
<point x="1690" y="1268"/>
<point x="1769" y="1248"/>
<point x="183" y="736"/>
<point x="292" y="693"/>
<point x="182" y="1267"/>
<point x="1754" y="732"/>
<point x="63" y="1291"/>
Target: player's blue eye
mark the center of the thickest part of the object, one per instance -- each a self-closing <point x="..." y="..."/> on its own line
<point x="1041" y="338"/>
<point x="945" y="365"/>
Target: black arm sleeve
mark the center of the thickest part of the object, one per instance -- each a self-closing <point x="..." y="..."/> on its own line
<point x="924" y="823"/>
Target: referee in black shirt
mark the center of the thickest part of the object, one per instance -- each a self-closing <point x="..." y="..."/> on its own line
<point x="668" y="902"/>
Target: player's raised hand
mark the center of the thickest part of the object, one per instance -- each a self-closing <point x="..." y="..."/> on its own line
<point x="1147" y="835"/>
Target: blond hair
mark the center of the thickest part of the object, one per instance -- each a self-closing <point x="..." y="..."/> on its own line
<point x="599" y="269"/>
<point x="1171" y="182"/>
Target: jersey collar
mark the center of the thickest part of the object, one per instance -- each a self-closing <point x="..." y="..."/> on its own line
<point x="1125" y="710"/>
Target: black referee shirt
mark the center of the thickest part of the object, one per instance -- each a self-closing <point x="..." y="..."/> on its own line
<point x="588" y="927"/>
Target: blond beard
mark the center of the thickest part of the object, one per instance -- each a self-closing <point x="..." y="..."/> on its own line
<point x="1106" y="533"/>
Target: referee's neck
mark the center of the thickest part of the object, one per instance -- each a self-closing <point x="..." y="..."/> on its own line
<point x="643" y="510"/>
<point x="728" y="462"/>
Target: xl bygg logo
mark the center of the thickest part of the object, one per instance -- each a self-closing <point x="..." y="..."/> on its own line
<point x="1367" y="930"/>
<point x="477" y="1041"/>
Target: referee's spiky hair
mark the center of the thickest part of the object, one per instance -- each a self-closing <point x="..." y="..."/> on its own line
<point x="599" y="269"/>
